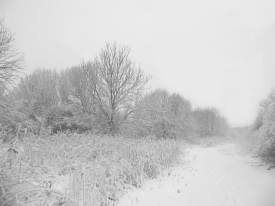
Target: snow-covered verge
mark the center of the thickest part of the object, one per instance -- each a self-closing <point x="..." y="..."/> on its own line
<point x="79" y="170"/>
<point x="219" y="175"/>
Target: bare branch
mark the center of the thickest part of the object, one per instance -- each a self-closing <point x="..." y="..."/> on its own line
<point x="119" y="82"/>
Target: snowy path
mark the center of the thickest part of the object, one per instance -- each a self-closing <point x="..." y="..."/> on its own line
<point x="215" y="176"/>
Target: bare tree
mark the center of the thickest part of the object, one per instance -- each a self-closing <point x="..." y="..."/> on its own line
<point x="9" y="58"/>
<point x="82" y="79"/>
<point x="120" y="82"/>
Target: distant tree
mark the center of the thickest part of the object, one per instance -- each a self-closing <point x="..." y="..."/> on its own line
<point x="180" y="113"/>
<point x="82" y="82"/>
<point x="163" y="115"/>
<point x="119" y="83"/>
<point x="149" y="114"/>
<point x="10" y="59"/>
<point x="208" y="122"/>
<point x="38" y="91"/>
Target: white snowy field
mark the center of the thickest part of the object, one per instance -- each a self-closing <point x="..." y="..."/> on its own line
<point x="220" y="175"/>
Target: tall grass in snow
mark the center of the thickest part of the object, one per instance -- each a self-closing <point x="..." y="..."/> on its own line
<point x="81" y="169"/>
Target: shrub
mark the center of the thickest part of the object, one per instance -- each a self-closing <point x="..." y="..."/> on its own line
<point x="16" y="123"/>
<point x="164" y="128"/>
<point x="62" y="119"/>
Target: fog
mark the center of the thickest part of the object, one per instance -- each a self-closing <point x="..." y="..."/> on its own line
<point x="215" y="53"/>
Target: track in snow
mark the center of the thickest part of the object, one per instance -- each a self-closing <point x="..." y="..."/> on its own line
<point x="209" y="176"/>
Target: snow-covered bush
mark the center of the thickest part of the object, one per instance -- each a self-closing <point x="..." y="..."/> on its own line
<point x="264" y="130"/>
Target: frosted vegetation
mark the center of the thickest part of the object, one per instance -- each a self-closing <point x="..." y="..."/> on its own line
<point x="80" y="169"/>
<point x="85" y="135"/>
<point x="262" y="134"/>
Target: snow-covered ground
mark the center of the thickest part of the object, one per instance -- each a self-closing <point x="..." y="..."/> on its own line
<point x="209" y="176"/>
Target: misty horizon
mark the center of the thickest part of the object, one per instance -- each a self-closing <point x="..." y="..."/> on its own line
<point x="214" y="54"/>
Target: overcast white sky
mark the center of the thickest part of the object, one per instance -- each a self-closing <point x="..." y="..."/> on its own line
<point x="215" y="53"/>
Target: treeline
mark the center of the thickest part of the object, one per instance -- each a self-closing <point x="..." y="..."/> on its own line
<point x="105" y="95"/>
<point x="264" y="129"/>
